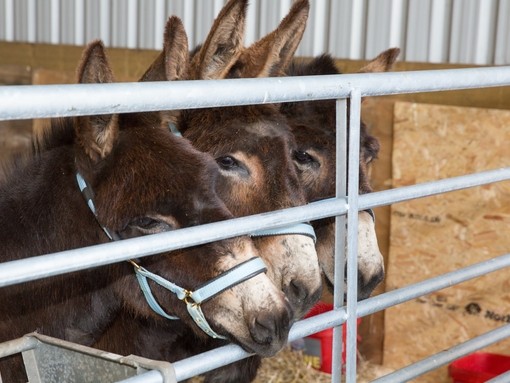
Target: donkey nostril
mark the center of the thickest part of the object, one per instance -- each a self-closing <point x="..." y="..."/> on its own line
<point x="365" y="288"/>
<point x="298" y="291"/>
<point x="264" y="329"/>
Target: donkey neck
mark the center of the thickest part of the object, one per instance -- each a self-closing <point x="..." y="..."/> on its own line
<point x="42" y="208"/>
<point x="43" y="212"/>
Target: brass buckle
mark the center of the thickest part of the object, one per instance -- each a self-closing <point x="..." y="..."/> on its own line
<point x="136" y="265"/>
<point x="188" y="299"/>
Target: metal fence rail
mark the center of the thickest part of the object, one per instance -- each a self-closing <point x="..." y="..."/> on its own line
<point x="39" y="101"/>
<point x="444" y="357"/>
<point x="69" y="100"/>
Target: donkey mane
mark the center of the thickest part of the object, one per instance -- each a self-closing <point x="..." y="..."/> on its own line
<point x="320" y="65"/>
<point x="60" y="133"/>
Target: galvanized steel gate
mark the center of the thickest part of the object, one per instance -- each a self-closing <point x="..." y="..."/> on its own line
<point x="20" y="102"/>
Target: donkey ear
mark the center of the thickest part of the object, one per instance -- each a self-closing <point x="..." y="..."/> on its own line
<point x="172" y="62"/>
<point x="94" y="66"/>
<point x="223" y="44"/>
<point x="96" y="134"/>
<point x="271" y="55"/>
<point x="383" y="62"/>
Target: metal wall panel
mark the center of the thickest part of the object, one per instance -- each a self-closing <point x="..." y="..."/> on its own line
<point x="456" y="31"/>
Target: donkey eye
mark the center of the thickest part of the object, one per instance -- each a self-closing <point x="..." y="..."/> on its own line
<point x="227" y="162"/>
<point x="303" y="157"/>
<point x="146" y="222"/>
<point x="369" y="155"/>
<point x="148" y="225"/>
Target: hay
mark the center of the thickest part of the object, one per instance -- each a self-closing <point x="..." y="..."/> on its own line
<point x="289" y="366"/>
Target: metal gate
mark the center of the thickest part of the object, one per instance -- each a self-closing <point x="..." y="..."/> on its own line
<point x="21" y="102"/>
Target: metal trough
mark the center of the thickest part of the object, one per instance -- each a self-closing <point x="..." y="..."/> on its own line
<point x="49" y="360"/>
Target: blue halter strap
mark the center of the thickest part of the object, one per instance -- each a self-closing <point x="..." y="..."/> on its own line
<point x="298" y="229"/>
<point x="193" y="299"/>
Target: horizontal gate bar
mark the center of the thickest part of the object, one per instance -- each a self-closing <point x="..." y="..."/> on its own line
<point x="446" y="356"/>
<point x="426" y="189"/>
<point x="503" y="378"/>
<point x="210" y="360"/>
<point x="207" y="361"/>
<point x="404" y="294"/>
<point x="152" y="376"/>
<point x="77" y="259"/>
<point x="98" y="255"/>
<point x="37" y="101"/>
<point x="17" y="346"/>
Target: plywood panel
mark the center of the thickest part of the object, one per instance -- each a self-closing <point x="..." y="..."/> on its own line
<point x="434" y="235"/>
<point x="127" y="64"/>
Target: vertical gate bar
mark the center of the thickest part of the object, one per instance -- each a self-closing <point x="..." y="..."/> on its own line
<point x="352" y="233"/>
<point x="340" y="221"/>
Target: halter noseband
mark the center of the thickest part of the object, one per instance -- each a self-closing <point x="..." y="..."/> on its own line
<point x="193" y="299"/>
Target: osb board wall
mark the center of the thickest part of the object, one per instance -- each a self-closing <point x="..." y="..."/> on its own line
<point x="434" y="235"/>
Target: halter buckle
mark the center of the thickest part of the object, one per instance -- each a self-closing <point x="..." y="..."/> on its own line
<point x="188" y="299"/>
<point x="136" y="265"/>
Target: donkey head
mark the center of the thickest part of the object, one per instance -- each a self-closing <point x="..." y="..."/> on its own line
<point x="253" y="145"/>
<point x="313" y="124"/>
<point x="146" y="181"/>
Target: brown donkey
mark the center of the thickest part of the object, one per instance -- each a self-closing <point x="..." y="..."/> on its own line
<point x="313" y="125"/>
<point x="253" y="147"/>
<point x="144" y="181"/>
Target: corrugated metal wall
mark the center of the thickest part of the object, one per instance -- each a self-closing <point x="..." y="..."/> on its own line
<point x="456" y="31"/>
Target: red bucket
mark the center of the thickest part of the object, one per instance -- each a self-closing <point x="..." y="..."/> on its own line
<point x="318" y="347"/>
<point x="478" y="367"/>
